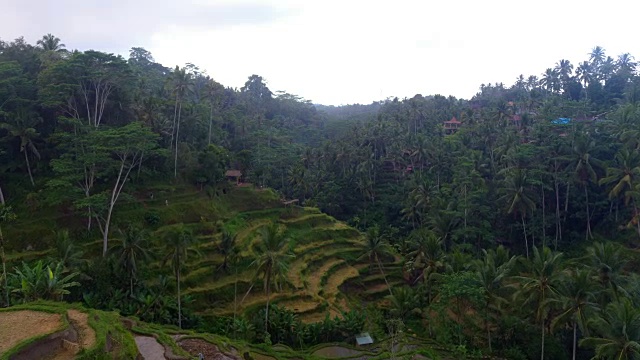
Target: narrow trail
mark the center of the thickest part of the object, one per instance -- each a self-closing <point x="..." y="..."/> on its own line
<point x="86" y="337"/>
<point x="150" y="348"/>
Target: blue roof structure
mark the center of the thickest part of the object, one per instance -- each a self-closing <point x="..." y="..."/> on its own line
<point x="561" y="121"/>
<point x="364" y="339"/>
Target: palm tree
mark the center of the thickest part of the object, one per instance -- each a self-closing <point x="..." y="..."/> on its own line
<point x="584" y="73"/>
<point x="550" y="80"/>
<point x="584" y="166"/>
<point x="491" y="273"/>
<point x="626" y="63"/>
<point x="50" y="42"/>
<point x="596" y="58"/>
<point x="132" y="248"/>
<point x="376" y="249"/>
<point x="6" y="215"/>
<point x="182" y="84"/>
<point x="272" y="256"/>
<point x="608" y="259"/>
<point x="516" y="194"/>
<point x="564" y="69"/>
<point x="577" y="292"/>
<point x="540" y="284"/>
<point x="624" y="177"/>
<point x="23" y="128"/>
<point x="180" y="241"/>
<point x="618" y="328"/>
<point x="427" y="254"/>
<point x="227" y="247"/>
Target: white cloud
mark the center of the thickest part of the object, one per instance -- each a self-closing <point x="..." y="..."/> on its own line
<point x="344" y="51"/>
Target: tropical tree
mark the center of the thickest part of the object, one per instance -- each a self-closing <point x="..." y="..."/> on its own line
<point x="50" y="42"/>
<point x="271" y="260"/>
<point x="624" y="176"/>
<point x="584" y="168"/>
<point x="227" y="247"/>
<point x="576" y="296"/>
<point x="131" y="249"/>
<point x="516" y="194"/>
<point x="23" y="128"/>
<point x="179" y="243"/>
<point x="181" y="86"/>
<point x="376" y="249"/>
<point x="618" y="332"/>
<point x="6" y="215"/>
<point x="42" y="281"/>
<point x="539" y="284"/>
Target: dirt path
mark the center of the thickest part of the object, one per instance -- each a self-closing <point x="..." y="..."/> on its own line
<point x="86" y="334"/>
<point x="25" y="324"/>
<point x="150" y="348"/>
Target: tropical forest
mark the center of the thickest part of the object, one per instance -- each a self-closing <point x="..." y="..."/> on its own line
<point x="149" y="208"/>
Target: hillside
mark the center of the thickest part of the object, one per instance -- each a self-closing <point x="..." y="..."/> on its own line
<point x="50" y="330"/>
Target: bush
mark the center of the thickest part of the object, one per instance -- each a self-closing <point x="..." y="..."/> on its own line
<point x="152" y="218"/>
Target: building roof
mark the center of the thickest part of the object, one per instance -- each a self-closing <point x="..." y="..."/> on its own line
<point x="233" y="173"/>
<point x="453" y="121"/>
<point x="364" y="339"/>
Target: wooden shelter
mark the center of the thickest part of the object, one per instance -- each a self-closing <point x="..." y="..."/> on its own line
<point x="233" y="176"/>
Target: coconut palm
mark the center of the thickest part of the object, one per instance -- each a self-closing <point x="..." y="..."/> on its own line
<point x="584" y="168"/>
<point x="50" y="42"/>
<point x="618" y="330"/>
<point x="577" y="293"/>
<point x="22" y="126"/>
<point x="539" y="284"/>
<point x="130" y="250"/>
<point x="550" y="80"/>
<point x="227" y="247"/>
<point x="516" y="194"/>
<point x="181" y="86"/>
<point x="608" y="260"/>
<point x="179" y="243"/>
<point x="271" y="260"/>
<point x="376" y="249"/>
<point x="584" y="73"/>
<point x="626" y="63"/>
<point x="624" y="176"/>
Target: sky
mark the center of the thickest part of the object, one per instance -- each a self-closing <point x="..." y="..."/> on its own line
<point x="337" y="52"/>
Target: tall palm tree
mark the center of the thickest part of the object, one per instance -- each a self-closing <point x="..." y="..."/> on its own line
<point x="577" y="292"/>
<point x="181" y="86"/>
<point x="539" y="284"/>
<point x="6" y="215"/>
<point x="376" y="249"/>
<point x="516" y="194"/>
<point x="564" y="69"/>
<point x="584" y="168"/>
<point x="227" y="247"/>
<point x="618" y="330"/>
<point x="179" y="243"/>
<point x="626" y="63"/>
<point x="584" y="73"/>
<point x="491" y="273"/>
<point x="272" y="257"/>
<point x="608" y="260"/>
<point x="50" y="42"/>
<point x="550" y="80"/>
<point x="624" y="176"/>
<point x="130" y="250"/>
<point x="22" y="127"/>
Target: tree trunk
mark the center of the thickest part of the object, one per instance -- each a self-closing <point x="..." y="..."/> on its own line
<point x="542" y="344"/>
<point x="4" y="269"/>
<point x="544" y="219"/>
<point x="235" y="301"/>
<point x="115" y="193"/>
<point x="26" y="158"/>
<point x="575" y="338"/>
<point x="1" y="197"/>
<point x="586" y="195"/>
<point x="210" y="124"/>
<point x="524" y="230"/>
<point x="179" y="300"/>
<point x="383" y="275"/>
<point x="175" y="161"/>
<point x="558" y="223"/>
<point x="266" y="312"/>
<point x="131" y="285"/>
<point x="636" y="216"/>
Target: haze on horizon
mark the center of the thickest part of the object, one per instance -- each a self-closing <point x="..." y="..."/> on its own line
<point x="338" y="52"/>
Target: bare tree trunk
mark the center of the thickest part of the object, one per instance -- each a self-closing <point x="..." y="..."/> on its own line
<point x="542" y="345"/>
<point x="210" y="124"/>
<point x="383" y="275"/>
<point x="4" y="269"/>
<point x="586" y="195"/>
<point x="575" y="338"/>
<point x="266" y="312"/>
<point x="544" y="218"/>
<point x="558" y="223"/>
<point x="1" y="197"/>
<point x="115" y="193"/>
<point x="175" y="161"/>
<point x="179" y="301"/>
<point x="524" y="230"/>
<point x="26" y="158"/>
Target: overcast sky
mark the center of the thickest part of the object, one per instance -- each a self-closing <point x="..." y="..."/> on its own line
<point x="341" y="51"/>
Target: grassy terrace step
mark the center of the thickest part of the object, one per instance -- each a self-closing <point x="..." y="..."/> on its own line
<point x="315" y="278"/>
<point x="308" y="220"/>
<point x="382" y="287"/>
<point x="318" y="316"/>
<point x="300" y="306"/>
<point x="217" y="284"/>
<point x="331" y="288"/>
<point x="254" y="299"/>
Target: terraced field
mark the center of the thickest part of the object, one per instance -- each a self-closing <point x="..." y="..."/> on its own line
<point x="326" y="255"/>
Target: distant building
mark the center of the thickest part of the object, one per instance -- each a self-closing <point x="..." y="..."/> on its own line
<point x="452" y="126"/>
<point x="363" y="339"/>
<point x="233" y="176"/>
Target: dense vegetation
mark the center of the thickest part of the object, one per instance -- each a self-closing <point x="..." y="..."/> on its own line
<point x="512" y="234"/>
